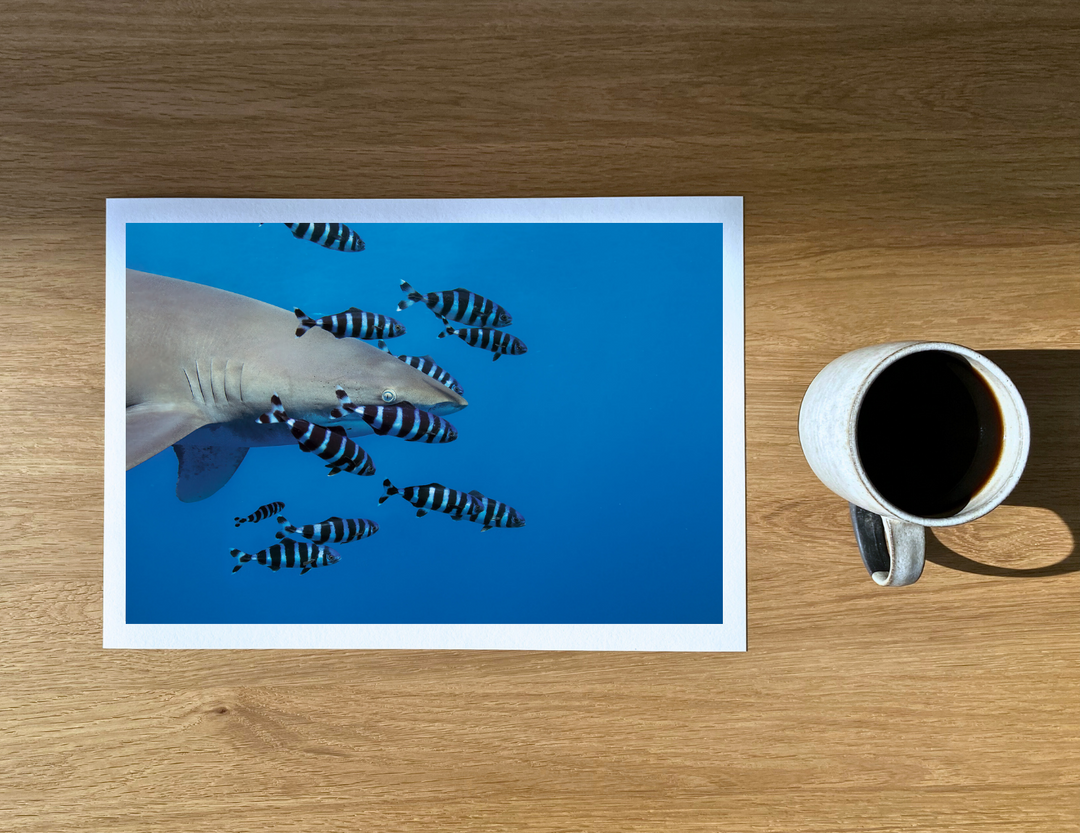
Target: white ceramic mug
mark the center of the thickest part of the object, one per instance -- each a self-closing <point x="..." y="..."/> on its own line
<point x="887" y="427"/>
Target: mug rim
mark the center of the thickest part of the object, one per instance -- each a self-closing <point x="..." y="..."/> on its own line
<point x="981" y="363"/>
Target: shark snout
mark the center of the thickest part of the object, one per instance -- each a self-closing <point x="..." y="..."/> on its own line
<point x="444" y="408"/>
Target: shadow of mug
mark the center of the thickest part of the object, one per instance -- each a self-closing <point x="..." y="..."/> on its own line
<point x="1049" y="383"/>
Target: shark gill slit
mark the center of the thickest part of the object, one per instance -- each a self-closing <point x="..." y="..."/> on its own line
<point x="213" y="396"/>
<point x="225" y="380"/>
<point x="198" y="377"/>
<point x="190" y="386"/>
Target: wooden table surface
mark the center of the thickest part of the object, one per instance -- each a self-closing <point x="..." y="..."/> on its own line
<point x="909" y="170"/>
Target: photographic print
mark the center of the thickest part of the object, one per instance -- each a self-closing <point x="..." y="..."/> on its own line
<point x="425" y="424"/>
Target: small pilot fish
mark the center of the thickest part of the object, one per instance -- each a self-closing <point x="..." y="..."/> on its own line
<point x="262" y="512"/>
<point x="331" y="444"/>
<point x="353" y="323"/>
<point x="289" y="553"/>
<point x="336" y="530"/>
<point x="432" y="496"/>
<point x="459" y="305"/>
<point x="331" y="235"/>
<point x="496" y="341"/>
<point x="427" y="366"/>
<point x="492" y="512"/>
<point x="404" y="421"/>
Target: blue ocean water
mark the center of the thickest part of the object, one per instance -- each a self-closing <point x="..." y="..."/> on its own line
<point x="606" y="435"/>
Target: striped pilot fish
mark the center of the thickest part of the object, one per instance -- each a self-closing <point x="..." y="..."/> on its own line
<point x="458" y="305"/>
<point x="402" y="420"/>
<point x="352" y="323"/>
<point x="335" y="530"/>
<point x="331" y="444"/>
<point x="432" y="496"/>
<point x="491" y="512"/>
<point x="427" y="366"/>
<point x="496" y="341"/>
<point x="261" y="513"/>
<point x="290" y="554"/>
<point x="331" y="235"/>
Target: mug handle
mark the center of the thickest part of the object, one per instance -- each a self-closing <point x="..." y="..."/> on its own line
<point x="893" y="551"/>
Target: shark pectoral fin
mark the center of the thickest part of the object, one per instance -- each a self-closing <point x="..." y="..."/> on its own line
<point x="152" y="428"/>
<point x="204" y="469"/>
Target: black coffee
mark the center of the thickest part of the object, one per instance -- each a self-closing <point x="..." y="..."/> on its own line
<point x="929" y="433"/>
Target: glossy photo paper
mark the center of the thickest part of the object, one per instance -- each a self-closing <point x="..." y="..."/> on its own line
<point x="469" y="424"/>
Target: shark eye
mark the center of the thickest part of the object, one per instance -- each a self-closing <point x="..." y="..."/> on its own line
<point x="388" y="396"/>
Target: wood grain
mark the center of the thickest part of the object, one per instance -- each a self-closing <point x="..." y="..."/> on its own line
<point x="909" y="170"/>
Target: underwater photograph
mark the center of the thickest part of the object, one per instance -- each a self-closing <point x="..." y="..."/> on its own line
<point x="337" y="423"/>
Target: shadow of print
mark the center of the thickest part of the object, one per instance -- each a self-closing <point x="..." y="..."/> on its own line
<point x="1049" y="382"/>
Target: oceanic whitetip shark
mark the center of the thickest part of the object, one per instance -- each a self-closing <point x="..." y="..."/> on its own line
<point x="202" y="364"/>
